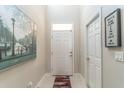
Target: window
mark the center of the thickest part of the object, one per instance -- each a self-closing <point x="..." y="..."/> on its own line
<point x="61" y="27"/>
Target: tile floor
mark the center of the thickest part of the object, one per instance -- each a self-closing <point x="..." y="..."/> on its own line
<point x="77" y="81"/>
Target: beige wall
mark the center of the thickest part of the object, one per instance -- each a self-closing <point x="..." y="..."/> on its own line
<point x="33" y="70"/>
<point x="113" y="75"/>
<point x="64" y="14"/>
<point x="82" y="65"/>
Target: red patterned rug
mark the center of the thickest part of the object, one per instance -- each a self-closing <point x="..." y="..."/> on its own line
<point x="62" y="82"/>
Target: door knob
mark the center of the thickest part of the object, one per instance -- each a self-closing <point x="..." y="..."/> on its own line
<point x="71" y="53"/>
<point x="88" y="58"/>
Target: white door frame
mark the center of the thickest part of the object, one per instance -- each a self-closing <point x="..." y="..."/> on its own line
<point x="73" y="53"/>
<point x="95" y="16"/>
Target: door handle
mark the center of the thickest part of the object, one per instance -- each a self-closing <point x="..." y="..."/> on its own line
<point x="88" y="58"/>
<point x="71" y="53"/>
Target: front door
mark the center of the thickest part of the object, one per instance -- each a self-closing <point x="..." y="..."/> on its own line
<point x="62" y="52"/>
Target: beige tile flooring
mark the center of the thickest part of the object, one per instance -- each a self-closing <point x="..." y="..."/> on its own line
<point x="77" y="81"/>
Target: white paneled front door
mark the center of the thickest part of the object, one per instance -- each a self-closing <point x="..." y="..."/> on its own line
<point x="62" y="52"/>
<point x="94" y="53"/>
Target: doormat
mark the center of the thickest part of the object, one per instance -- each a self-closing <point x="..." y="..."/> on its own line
<point x="62" y="82"/>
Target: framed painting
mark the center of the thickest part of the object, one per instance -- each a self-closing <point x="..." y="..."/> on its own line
<point x="113" y="29"/>
<point x="17" y="36"/>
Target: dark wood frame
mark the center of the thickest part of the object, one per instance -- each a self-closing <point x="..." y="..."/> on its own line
<point x="118" y="28"/>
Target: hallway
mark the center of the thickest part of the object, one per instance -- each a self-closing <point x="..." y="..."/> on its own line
<point x="80" y="45"/>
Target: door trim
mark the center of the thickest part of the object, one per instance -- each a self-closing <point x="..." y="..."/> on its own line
<point x="73" y="55"/>
<point x="95" y="16"/>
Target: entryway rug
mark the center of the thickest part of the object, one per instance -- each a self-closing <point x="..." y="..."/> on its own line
<point x="62" y="82"/>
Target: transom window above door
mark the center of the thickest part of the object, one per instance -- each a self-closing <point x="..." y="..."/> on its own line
<point x="61" y="27"/>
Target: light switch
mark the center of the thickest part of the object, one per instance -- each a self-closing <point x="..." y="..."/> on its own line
<point x="119" y="56"/>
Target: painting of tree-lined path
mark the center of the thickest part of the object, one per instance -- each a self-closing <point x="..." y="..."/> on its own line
<point x="17" y="33"/>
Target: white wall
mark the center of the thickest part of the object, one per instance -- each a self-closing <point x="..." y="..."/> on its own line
<point x="113" y="75"/>
<point x="33" y="70"/>
<point x="64" y="14"/>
